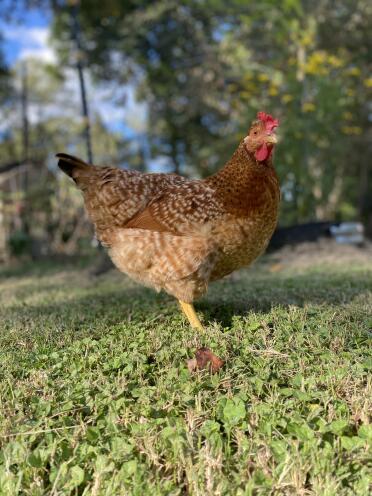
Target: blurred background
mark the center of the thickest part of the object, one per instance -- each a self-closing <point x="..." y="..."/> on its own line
<point x="172" y="86"/>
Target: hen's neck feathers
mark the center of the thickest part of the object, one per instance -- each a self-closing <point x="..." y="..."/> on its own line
<point x="244" y="183"/>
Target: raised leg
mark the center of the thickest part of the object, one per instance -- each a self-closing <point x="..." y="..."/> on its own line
<point x="188" y="310"/>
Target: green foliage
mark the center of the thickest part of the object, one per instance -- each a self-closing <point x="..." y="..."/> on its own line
<point x="167" y="50"/>
<point x="19" y="243"/>
<point x="96" y="397"/>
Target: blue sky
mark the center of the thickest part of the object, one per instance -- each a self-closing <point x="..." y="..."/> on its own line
<point x="19" y="36"/>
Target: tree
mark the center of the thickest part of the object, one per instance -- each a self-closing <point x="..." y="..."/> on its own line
<point x="167" y="51"/>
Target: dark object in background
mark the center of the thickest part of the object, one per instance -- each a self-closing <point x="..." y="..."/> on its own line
<point x="342" y="232"/>
<point x="301" y="233"/>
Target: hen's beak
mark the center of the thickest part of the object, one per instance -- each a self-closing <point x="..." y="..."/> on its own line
<point x="271" y="139"/>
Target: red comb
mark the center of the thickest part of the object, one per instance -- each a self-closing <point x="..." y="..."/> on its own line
<point x="270" y="122"/>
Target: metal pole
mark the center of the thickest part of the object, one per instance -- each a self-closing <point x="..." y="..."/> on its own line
<point x="24" y="105"/>
<point x="24" y="180"/>
<point x="80" y="70"/>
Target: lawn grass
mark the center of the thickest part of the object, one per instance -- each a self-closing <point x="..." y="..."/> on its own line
<point x="96" y="398"/>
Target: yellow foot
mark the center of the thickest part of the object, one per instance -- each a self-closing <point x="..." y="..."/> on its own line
<point x="188" y="310"/>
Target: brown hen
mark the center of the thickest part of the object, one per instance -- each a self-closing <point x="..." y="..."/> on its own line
<point x="177" y="234"/>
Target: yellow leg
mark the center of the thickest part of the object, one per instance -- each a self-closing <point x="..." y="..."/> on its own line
<point x="188" y="310"/>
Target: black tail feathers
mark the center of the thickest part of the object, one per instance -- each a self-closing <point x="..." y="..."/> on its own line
<point x="71" y="165"/>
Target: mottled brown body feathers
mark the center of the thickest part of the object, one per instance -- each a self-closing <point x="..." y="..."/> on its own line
<point x="176" y="234"/>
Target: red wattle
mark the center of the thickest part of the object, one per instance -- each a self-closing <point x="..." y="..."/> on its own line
<point x="262" y="153"/>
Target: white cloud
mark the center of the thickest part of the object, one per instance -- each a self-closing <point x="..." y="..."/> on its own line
<point x="43" y="54"/>
<point x="26" y="34"/>
<point x="33" y="42"/>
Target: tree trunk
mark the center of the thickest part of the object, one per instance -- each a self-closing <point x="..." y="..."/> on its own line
<point x="80" y="70"/>
<point x="26" y="210"/>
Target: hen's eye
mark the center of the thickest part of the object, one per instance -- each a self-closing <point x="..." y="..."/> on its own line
<point x="254" y="132"/>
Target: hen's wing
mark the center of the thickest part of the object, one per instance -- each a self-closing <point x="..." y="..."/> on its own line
<point x="113" y="196"/>
<point x="183" y="209"/>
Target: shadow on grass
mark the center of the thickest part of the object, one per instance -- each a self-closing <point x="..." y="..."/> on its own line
<point x="93" y="313"/>
<point x="262" y="294"/>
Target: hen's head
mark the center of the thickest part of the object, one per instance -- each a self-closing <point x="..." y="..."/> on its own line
<point x="261" y="136"/>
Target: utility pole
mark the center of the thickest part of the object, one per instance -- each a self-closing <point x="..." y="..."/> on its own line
<point x="24" y="105"/>
<point x="80" y="70"/>
<point x="25" y="147"/>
